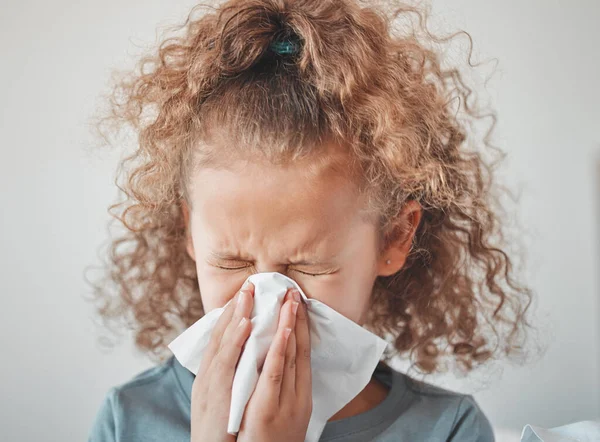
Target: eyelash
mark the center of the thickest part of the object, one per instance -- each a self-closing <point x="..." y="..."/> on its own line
<point x="304" y="273"/>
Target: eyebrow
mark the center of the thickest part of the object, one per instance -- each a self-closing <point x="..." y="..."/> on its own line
<point x="236" y="257"/>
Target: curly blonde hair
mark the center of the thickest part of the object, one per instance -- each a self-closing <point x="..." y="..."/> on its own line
<point x="379" y="90"/>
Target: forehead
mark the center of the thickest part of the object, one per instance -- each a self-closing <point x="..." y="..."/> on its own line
<point x="255" y="200"/>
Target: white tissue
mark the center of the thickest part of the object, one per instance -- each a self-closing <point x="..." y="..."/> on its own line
<point x="344" y="355"/>
<point x="583" y="431"/>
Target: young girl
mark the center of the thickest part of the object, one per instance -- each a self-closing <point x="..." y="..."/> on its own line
<point x="317" y="139"/>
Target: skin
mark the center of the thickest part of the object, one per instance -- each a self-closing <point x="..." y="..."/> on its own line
<point x="254" y="217"/>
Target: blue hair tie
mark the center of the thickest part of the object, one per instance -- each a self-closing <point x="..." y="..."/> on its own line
<point x="284" y="47"/>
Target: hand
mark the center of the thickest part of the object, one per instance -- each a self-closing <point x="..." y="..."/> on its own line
<point x="211" y="390"/>
<point x="280" y="406"/>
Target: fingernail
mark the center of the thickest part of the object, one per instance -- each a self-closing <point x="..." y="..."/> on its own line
<point x="296" y="295"/>
<point x="286" y="332"/>
<point x="247" y="285"/>
<point x="242" y="322"/>
<point x="241" y="300"/>
<point x="295" y="307"/>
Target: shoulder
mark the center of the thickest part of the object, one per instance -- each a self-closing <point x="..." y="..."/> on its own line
<point x="445" y="414"/>
<point x="142" y="387"/>
<point x="470" y="422"/>
<point x="131" y="403"/>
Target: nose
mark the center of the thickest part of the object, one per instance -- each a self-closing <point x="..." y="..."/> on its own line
<point x="264" y="268"/>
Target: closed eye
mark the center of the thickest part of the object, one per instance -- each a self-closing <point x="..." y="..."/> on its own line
<point x="305" y="273"/>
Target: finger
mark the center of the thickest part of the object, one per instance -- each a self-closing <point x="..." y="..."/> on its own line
<point x="227" y="357"/>
<point x="271" y="377"/>
<point x="225" y="361"/>
<point x="217" y="335"/>
<point x="303" y="367"/>
<point x="288" y="389"/>
<point x="243" y="308"/>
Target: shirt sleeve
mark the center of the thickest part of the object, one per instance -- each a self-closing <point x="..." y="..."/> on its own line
<point x="470" y="423"/>
<point x="104" y="426"/>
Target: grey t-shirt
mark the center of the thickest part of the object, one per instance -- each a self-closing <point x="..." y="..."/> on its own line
<point x="155" y="406"/>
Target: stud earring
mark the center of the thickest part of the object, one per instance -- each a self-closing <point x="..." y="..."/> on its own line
<point x="388" y="261"/>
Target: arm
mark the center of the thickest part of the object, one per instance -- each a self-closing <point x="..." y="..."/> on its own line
<point x="470" y="423"/>
<point x="103" y="428"/>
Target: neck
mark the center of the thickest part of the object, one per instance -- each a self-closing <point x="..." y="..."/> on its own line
<point x="371" y="396"/>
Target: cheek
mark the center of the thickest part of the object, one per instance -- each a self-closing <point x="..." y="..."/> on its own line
<point x="349" y="297"/>
<point x="217" y="290"/>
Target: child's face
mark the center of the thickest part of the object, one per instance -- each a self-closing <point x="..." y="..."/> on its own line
<point x="258" y="218"/>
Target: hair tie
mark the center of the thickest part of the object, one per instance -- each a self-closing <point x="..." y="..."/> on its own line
<point x="282" y="47"/>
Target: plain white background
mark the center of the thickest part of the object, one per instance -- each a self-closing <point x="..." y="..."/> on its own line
<point x="56" y="59"/>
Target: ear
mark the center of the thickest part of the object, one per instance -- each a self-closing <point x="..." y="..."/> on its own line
<point x="189" y="245"/>
<point x="404" y="230"/>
